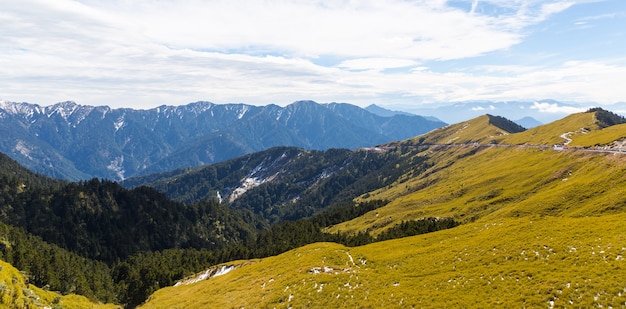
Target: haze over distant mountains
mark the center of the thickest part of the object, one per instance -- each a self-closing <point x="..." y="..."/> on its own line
<point x="72" y="141"/>
<point x="542" y="111"/>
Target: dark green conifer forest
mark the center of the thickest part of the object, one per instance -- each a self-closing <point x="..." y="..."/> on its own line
<point x="98" y="239"/>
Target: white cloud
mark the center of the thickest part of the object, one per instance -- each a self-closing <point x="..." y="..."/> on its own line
<point x="376" y="63"/>
<point x="481" y="108"/>
<point x="146" y="53"/>
<point x="474" y="6"/>
<point x="366" y="29"/>
<point x="554" y="108"/>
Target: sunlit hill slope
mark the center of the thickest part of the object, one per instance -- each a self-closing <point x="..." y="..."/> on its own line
<point x="15" y="292"/>
<point x="542" y="227"/>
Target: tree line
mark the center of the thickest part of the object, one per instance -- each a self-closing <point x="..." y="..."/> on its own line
<point x="112" y="244"/>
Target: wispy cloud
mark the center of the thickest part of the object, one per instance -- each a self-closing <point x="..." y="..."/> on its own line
<point x="376" y="63"/>
<point x="474" y="6"/>
<point x="555" y="108"/>
<point x="146" y="53"/>
<point x="481" y="108"/>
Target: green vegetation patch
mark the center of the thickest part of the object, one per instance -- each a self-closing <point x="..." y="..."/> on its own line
<point x="16" y="293"/>
<point x="483" y="129"/>
<point x="532" y="262"/>
<point x="603" y="137"/>
<point x="499" y="182"/>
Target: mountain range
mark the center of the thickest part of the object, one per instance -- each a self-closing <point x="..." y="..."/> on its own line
<point x="73" y="142"/>
<point x="481" y="213"/>
<point x="541" y="227"/>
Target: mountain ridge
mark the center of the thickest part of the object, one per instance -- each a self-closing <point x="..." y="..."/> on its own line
<point x="534" y="218"/>
<point x="537" y="222"/>
<point x="71" y="141"/>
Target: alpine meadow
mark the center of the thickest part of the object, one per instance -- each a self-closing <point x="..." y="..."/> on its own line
<point x="480" y="213"/>
<point x="243" y="154"/>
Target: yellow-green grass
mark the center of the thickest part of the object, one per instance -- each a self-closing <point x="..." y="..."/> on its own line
<point x="16" y="293"/>
<point x="582" y="128"/>
<point x="475" y="130"/>
<point x="550" y="133"/>
<point x="602" y="137"/>
<point x="542" y="228"/>
<point x="536" y="261"/>
<point x="500" y="182"/>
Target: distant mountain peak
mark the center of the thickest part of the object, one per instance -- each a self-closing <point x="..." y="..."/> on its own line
<point x="381" y="111"/>
<point x="66" y="107"/>
<point x="124" y="142"/>
<point x="528" y="122"/>
<point x="305" y="102"/>
<point x="26" y="109"/>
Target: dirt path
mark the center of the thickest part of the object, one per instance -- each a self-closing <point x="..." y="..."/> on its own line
<point x="565" y="136"/>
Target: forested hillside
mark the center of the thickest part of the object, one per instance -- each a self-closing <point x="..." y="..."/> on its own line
<point x="136" y="241"/>
<point x="16" y="292"/>
<point x="120" y="245"/>
<point x="531" y="217"/>
<point x="103" y="221"/>
<point x="288" y="183"/>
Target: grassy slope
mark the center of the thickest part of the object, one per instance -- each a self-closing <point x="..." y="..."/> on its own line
<point x="506" y="263"/>
<point x="550" y="133"/>
<point x="475" y="130"/>
<point x="482" y="186"/>
<point x="603" y="137"/>
<point x="542" y="226"/>
<point x="16" y="293"/>
<point x="469" y="183"/>
<point x="480" y="130"/>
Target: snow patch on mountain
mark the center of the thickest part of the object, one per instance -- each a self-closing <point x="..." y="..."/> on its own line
<point x="219" y="197"/>
<point x="104" y="110"/>
<point x="22" y="148"/>
<point x="119" y="123"/>
<point x="26" y="110"/>
<point x="266" y="171"/>
<point x="117" y="167"/>
<point x="243" y="111"/>
<point x="207" y="274"/>
<point x="246" y="184"/>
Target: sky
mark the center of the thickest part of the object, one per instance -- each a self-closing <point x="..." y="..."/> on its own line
<point x="394" y="53"/>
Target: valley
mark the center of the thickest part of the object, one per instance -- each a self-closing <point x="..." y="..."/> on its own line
<point x="283" y="154"/>
<point x="480" y="213"/>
